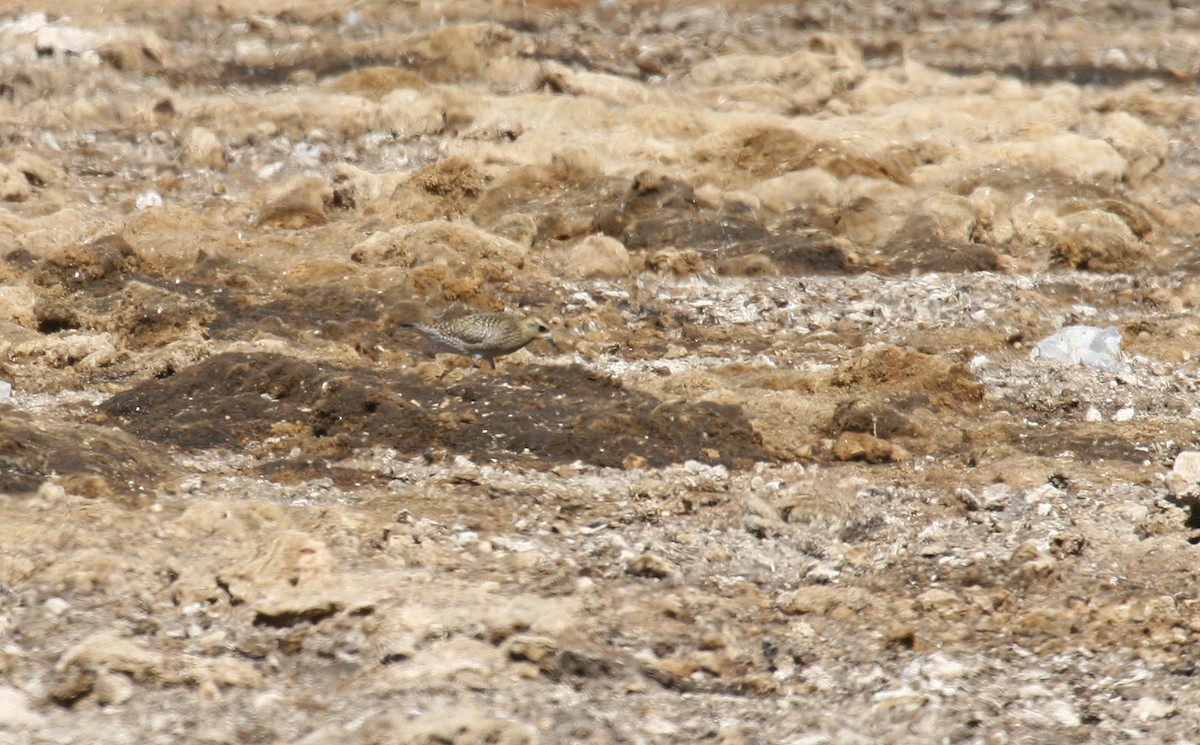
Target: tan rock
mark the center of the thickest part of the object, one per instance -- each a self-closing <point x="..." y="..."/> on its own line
<point x="355" y="187"/>
<point x="374" y="82"/>
<point x="518" y="227"/>
<point x="1070" y="155"/>
<point x="865" y="447"/>
<point x="651" y="566"/>
<point x="147" y="315"/>
<point x="462" y="725"/>
<point x="462" y="51"/>
<point x="597" y="256"/>
<point x="413" y="113"/>
<point x="14" y="187"/>
<point x="1095" y="240"/>
<point x="749" y="265"/>
<point x="112" y="689"/>
<point x="17" y="305"/>
<point x="107" y="651"/>
<point x="674" y="261"/>
<point x="85" y="351"/>
<point x="1144" y="148"/>
<point x="438" y="243"/>
<point x="803" y="188"/>
<point x="993" y="219"/>
<point x="822" y="599"/>
<point x="37" y="170"/>
<point x="134" y="48"/>
<point x="944" y="217"/>
<point x="202" y="149"/>
<point x="268" y="113"/>
<point x="829" y="61"/>
<point x="294" y="579"/>
<point x="937" y="599"/>
<point x="299" y="203"/>
<point x="611" y="89"/>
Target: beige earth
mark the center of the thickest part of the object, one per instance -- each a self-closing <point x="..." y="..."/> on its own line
<point x="799" y="472"/>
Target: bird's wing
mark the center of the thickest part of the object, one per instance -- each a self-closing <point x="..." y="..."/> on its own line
<point x="478" y="335"/>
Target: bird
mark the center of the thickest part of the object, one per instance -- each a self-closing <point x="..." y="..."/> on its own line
<point x="485" y="336"/>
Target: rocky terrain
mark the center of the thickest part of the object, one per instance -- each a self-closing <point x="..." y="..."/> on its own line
<point x="799" y="472"/>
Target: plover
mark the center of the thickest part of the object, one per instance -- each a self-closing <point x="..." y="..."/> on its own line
<point x="485" y="336"/>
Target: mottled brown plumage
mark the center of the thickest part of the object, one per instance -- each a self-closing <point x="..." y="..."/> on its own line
<point x="485" y="336"/>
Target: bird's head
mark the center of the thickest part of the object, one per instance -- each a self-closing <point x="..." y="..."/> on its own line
<point x="536" y="328"/>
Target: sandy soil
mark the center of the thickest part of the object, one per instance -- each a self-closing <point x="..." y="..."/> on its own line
<point x="796" y="474"/>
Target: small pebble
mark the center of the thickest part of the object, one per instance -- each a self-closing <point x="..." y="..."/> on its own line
<point x="56" y="606"/>
<point x="148" y="200"/>
<point x="997" y="496"/>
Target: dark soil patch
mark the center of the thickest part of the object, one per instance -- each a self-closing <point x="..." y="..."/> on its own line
<point x="33" y="451"/>
<point x="556" y="414"/>
<point x="1088" y="443"/>
<point x="232" y="400"/>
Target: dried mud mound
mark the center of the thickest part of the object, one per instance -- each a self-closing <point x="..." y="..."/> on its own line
<point x="554" y="414"/>
<point x="90" y="460"/>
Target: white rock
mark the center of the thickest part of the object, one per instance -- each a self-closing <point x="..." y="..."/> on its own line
<point x="820" y="738"/>
<point x="1034" y="690"/>
<point x="148" y="200"/>
<point x="1062" y="713"/>
<point x="1135" y="513"/>
<point x="1088" y="345"/>
<point x="898" y="698"/>
<point x="112" y="689"/>
<point x="56" y="606"/>
<point x="51" y="492"/>
<point x="1147" y="708"/>
<point x="1124" y="415"/>
<point x="997" y="496"/>
<point x="66" y="40"/>
<point x="939" y="666"/>
<point x="968" y="498"/>
<point x="659" y="726"/>
<point x="269" y="171"/>
<point x="824" y="573"/>
<point x="15" y="712"/>
<point x="1185" y="473"/>
<point x="1051" y="712"/>
<point x="1043" y="493"/>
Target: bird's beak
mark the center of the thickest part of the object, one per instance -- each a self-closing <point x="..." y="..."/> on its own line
<point x="553" y="343"/>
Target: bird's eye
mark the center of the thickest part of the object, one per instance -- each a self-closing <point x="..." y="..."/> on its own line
<point x="542" y="329"/>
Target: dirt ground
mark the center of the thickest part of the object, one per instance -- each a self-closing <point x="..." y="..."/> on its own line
<point x="796" y="474"/>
